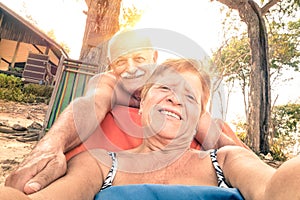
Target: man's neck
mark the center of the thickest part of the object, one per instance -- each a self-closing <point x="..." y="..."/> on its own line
<point x="135" y="99"/>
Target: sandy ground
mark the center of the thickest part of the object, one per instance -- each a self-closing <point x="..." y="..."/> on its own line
<point x="12" y="151"/>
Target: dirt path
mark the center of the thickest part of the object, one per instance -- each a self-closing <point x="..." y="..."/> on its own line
<point x="12" y="151"/>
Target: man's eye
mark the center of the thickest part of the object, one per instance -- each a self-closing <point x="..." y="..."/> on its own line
<point x="139" y="59"/>
<point x="120" y="62"/>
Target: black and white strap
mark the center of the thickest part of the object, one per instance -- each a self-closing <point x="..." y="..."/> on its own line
<point x="112" y="172"/>
<point x="221" y="178"/>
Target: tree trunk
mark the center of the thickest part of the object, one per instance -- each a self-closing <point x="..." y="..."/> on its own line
<point x="259" y="102"/>
<point x="101" y="24"/>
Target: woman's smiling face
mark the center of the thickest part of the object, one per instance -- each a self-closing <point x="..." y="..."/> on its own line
<point x="172" y="105"/>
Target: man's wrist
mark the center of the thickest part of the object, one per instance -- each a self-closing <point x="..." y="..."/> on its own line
<point x="51" y="143"/>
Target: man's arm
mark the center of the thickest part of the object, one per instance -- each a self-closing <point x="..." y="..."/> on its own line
<point x="82" y="180"/>
<point x="214" y="133"/>
<point x="47" y="162"/>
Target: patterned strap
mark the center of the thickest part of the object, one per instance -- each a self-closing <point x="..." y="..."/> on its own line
<point x="112" y="172"/>
<point x="221" y="179"/>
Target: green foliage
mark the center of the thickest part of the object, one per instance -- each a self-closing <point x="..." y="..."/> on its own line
<point x="234" y="58"/>
<point x="284" y="43"/>
<point x="286" y="119"/>
<point x="285" y="130"/>
<point x="64" y="45"/>
<point x="13" y="89"/>
<point x="129" y="17"/>
<point x="241" y="130"/>
<point x="277" y="150"/>
<point x="287" y="8"/>
<point x="9" y="81"/>
<point x="285" y="123"/>
<point x="38" y="90"/>
<point x="233" y="61"/>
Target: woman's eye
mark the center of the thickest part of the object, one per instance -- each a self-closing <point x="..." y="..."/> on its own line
<point x="190" y="97"/>
<point x="164" y="87"/>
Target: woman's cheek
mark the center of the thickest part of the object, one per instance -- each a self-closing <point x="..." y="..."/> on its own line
<point x="194" y="114"/>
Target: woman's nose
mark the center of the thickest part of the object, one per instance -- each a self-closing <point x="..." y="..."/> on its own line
<point x="174" y="99"/>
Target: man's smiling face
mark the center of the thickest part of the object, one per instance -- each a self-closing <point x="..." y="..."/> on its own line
<point x="135" y="68"/>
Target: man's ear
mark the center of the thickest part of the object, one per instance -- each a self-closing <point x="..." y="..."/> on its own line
<point x="155" y="56"/>
<point x="141" y="104"/>
<point x="109" y="63"/>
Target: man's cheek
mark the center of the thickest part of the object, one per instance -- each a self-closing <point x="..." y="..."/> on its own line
<point x="119" y="70"/>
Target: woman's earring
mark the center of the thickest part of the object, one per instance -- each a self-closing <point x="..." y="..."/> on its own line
<point x="140" y="112"/>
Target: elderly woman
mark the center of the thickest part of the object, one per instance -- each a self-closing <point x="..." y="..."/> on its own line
<point x="172" y="101"/>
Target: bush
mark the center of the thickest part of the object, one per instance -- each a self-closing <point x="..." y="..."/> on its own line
<point x="285" y="140"/>
<point x="10" y="81"/>
<point x="13" y="89"/>
<point x="286" y="119"/>
<point x="38" y="90"/>
<point x="277" y="149"/>
<point x="241" y="130"/>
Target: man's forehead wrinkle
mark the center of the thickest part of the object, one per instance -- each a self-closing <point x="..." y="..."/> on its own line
<point x="128" y="42"/>
<point x="134" y="54"/>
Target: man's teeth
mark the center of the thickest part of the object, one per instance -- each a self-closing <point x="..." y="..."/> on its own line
<point x="170" y="114"/>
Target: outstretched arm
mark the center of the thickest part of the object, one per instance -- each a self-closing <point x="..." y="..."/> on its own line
<point x="244" y="170"/>
<point x="257" y="180"/>
<point x="285" y="182"/>
<point x="47" y="162"/>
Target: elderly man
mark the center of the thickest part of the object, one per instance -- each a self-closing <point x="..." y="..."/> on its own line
<point x="132" y="57"/>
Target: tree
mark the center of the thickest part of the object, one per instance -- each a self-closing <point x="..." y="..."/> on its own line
<point x="130" y="16"/>
<point x="51" y="34"/>
<point x="101" y="23"/>
<point x="259" y="102"/>
<point x="104" y="19"/>
<point x="233" y="59"/>
<point x="252" y="15"/>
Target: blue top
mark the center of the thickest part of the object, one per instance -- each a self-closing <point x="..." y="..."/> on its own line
<point x="168" y="192"/>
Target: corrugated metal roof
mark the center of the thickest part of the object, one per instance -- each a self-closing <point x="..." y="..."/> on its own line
<point x="14" y="27"/>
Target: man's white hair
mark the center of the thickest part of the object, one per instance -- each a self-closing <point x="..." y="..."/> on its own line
<point x="126" y="41"/>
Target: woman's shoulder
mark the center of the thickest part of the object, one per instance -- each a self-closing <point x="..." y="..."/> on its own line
<point x="233" y="149"/>
<point x="101" y="155"/>
<point x="230" y="154"/>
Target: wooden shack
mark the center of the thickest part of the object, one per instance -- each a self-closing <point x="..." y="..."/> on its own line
<point x="26" y="51"/>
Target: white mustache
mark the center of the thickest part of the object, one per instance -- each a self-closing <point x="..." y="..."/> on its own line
<point x="128" y="75"/>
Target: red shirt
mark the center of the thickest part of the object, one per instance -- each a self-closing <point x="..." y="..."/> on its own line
<point x="120" y="130"/>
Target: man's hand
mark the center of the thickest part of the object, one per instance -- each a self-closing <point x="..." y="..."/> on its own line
<point x="215" y="133"/>
<point x="47" y="161"/>
<point x="42" y="166"/>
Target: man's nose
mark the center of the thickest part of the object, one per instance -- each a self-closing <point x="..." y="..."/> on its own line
<point x="131" y="68"/>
